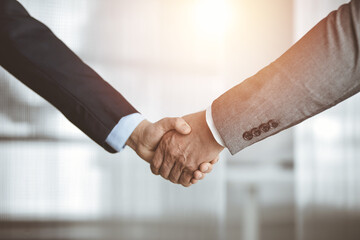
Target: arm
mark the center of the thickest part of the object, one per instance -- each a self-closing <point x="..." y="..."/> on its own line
<point x="319" y="71"/>
<point x="34" y="55"/>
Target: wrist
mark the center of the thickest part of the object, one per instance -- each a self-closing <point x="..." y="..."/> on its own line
<point x="212" y="127"/>
<point x="134" y="140"/>
<point x="214" y="143"/>
<point x="200" y="128"/>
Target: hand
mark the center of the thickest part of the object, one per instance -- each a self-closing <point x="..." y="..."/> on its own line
<point x="146" y="137"/>
<point x="179" y="156"/>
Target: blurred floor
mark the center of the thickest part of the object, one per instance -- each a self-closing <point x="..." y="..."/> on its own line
<point x="38" y="204"/>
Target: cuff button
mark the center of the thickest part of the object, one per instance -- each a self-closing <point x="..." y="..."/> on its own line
<point x="273" y="124"/>
<point x="248" y="136"/>
<point x="256" y="132"/>
<point x="264" y="127"/>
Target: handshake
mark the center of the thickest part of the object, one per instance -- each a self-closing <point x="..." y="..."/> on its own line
<point x="293" y="88"/>
<point x="181" y="150"/>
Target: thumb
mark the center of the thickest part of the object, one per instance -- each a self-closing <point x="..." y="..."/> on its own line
<point x="179" y="124"/>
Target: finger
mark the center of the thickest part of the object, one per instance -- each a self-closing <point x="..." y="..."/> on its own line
<point x="179" y="124"/>
<point x="209" y="169"/>
<point x="157" y="160"/>
<point x="176" y="171"/>
<point x="202" y="176"/>
<point x="185" y="178"/>
<point x="194" y="181"/>
<point x="215" y="160"/>
<point x="205" y="167"/>
<point x="198" y="175"/>
<point x="166" y="166"/>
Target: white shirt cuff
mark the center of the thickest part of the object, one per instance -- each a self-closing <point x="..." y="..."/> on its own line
<point x="211" y="125"/>
<point x="123" y="130"/>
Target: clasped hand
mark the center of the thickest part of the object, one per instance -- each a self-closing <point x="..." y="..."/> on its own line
<point x="181" y="150"/>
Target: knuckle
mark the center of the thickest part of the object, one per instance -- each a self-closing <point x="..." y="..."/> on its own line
<point x="163" y="176"/>
<point x="182" y="160"/>
<point x="181" y="168"/>
<point x="181" y="180"/>
<point x="188" y="176"/>
<point x="163" y="173"/>
<point x="166" y="164"/>
<point x="166" y="119"/>
<point x="191" y="168"/>
<point x="172" y="176"/>
<point x="172" y="179"/>
<point x="153" y="170"/>
<point x="173" y="152"/>
<point x="181" y="164"/>
<point x="185" y="180"/>
<point x="178" y="121"/>
<point x="156" y="164"/>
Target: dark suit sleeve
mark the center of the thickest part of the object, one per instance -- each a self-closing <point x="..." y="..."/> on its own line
<point x="34" y="55"/>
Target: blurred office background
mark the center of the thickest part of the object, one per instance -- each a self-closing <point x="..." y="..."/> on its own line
<point x="170" y="58"/>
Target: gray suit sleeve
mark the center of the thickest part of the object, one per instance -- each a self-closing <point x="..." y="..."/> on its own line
<point x="319" y="71"/>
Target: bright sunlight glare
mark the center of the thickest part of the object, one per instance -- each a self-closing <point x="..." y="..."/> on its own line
<point x="212" y="16"/>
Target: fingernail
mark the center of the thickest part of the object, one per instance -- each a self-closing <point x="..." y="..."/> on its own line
<point x="206" y="168"/>
<point x="185" y="127"/>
